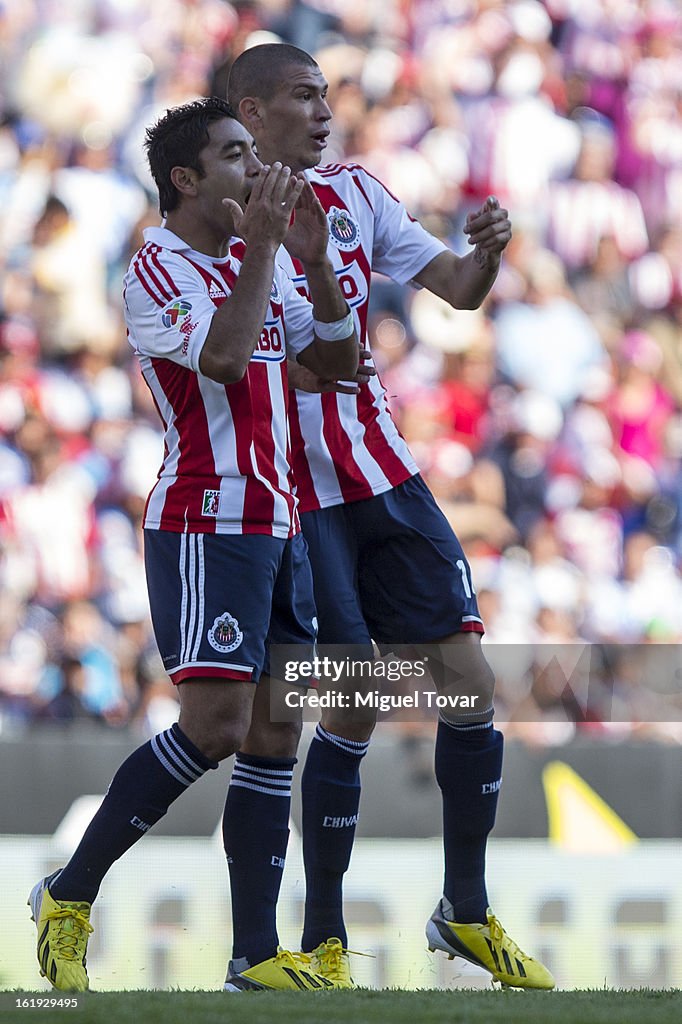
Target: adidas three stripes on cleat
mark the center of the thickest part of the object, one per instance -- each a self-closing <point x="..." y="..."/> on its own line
<point x="488" y="946"/>
<point x="284" y="971"/>
<point x="63" y="932"/>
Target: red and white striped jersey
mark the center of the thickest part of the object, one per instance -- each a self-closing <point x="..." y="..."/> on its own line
<point x="347" y="447"/>
<point x="227" y="458"/>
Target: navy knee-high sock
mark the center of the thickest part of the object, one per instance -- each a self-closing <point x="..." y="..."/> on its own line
<point x="330" y="790"/>
<point x="468" y="771"/>
<point x="140" y="793"/>
<point x="255" y="834"/>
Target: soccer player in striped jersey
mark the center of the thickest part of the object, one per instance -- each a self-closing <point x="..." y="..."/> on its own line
<point x="212" y="318"/>
<point x="386" y="565"/>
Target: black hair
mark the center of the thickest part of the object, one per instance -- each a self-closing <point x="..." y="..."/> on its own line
<point x="258" y="70"/>
<point x="177" y="139"/>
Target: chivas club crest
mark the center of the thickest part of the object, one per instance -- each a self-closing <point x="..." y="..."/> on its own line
<point x="225" y="634"/>
<point x="274" y="292"/>
<point x="343" y="230"/>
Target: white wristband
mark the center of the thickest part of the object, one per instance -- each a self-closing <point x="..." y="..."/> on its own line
<point x="337" y="330"/>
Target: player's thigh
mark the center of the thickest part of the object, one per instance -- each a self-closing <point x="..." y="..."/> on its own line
<point x="275" y="728"/>
<point x="333" y="554"/>
<point x="210" y="598"/>
<point x="415" y="581"/>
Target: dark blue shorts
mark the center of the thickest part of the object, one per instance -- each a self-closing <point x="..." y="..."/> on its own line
<point x="218" y="601"/>
<point x="389" y="569"/>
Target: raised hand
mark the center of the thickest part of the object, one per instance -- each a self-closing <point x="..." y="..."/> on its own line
<point x="489" y="230"/>
<point x="268" y="211"/>
<point x="308" y="232"/>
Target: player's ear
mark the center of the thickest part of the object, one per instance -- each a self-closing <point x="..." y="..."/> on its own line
<point x="250" y="114"/>
<point x="185" y="180"/>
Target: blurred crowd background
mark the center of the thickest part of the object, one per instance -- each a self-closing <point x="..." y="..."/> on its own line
<point x="548" y="424"/>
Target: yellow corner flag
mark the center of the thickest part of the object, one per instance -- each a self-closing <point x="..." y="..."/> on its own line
<point x="579" y="820"/>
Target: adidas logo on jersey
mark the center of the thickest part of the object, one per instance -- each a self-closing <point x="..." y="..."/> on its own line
<point x="216" y="292"/>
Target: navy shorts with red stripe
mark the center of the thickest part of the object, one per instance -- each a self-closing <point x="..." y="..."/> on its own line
<point x="389" y="569"/>
<point x="219" y="600"/>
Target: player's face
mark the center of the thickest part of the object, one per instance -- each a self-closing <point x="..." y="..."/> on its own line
<point x="230" y="167"/>
<point x="295" y="122"/>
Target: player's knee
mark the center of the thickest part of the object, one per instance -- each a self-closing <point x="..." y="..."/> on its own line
<point x="272" y="739"/>
<point x="474" y="697"/>
<point x="220" y="737"/>
<point x="349" y="726"/>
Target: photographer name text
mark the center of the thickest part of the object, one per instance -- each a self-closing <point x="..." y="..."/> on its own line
<point x="380" y="701"/>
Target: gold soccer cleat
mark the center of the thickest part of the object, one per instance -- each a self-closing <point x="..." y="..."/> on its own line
<point x="488" y="946"/>
<point x="63" y="931"/>
<point x="285" y="971"/>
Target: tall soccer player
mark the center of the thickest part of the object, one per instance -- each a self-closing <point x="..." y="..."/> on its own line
<point x="386" y="564"/>
<point x="212" y="319"/>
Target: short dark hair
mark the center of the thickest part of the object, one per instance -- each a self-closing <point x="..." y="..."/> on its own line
<point x="177" y="139"/>
<point x="258" y="70"/>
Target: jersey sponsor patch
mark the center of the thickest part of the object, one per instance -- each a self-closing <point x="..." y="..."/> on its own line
<point x="344" y="232"/>
<point x="211" y="503"/>
<point x="175" y="312"/>
<point x="270" y="346"/>
<point x="352" y="282"/>
<point x="225" y="634"/>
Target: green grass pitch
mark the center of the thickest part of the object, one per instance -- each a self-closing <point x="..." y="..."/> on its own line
<point x="644" y="1006"/>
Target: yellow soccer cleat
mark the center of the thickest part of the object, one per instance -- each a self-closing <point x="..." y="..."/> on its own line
<point x="285" y="971"/>
<point x="63" y="931"/>
<point x="488" y="946"/>
<point x="332" y="961"/>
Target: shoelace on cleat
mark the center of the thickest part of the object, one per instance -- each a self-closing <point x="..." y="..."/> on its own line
<point x="67" y="939"/>
<point x="287" y="958"/>
<point x="498" y="937"/>
<point x="333" y="960"/>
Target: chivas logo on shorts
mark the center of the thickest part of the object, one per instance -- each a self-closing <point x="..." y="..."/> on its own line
<point x="211" y="504"/>
<point x="343" y="230"/>
<point x="176" y="311"/>
<point x="225" y="634"/>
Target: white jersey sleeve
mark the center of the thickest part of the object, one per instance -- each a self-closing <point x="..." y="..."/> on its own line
<point x="402" y="247"/>
<point x="160" y="327"/>
<point x="297" y="314"/>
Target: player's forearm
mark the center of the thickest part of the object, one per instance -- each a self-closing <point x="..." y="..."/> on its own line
<point x="463" y="281"/>
<point x="332" y="360"/>
<point x="325" y="294"/>
<point x="337" y="358"/>
<point x="476" y="274"/>
<point x="237" y="324"/>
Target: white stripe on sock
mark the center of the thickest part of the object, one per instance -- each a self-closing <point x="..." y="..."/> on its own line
<point x="180" y="755"/>
<point x="261" y="789"/>
<point x="167" y="765"/>
<point x="348" y="746"/>
<point x="263" y="771"/>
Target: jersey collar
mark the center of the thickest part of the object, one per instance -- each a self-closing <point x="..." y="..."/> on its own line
<point x="162" y="236"/>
